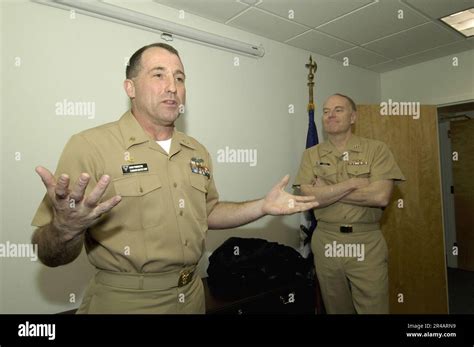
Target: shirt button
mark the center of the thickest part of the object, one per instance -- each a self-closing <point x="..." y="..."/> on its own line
<point x="180" y="213"/>
<point x="175" y="184"/>
<point x="186" y="243"/>
<point x="132" y="138"/>
<point x="141" y="190"/>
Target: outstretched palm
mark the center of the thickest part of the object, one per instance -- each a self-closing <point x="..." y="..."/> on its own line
<point x="279" y="202"/>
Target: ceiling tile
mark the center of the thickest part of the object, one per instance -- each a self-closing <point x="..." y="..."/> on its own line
<point x="312" y="13"/>
<point x="386" y="66"/>
<point x="373" y="22"/>
<point x="413" y="41"/>
<point x="368" y="32"/>
<point x="319" y="43"/>
<point x="249" y="2"/>
<point x="360" y="57"/>
<point x="438" y="52"/>
<point x="440" y="8"/>
<point x="217" y="10"/>
<point x="267" y="25"/>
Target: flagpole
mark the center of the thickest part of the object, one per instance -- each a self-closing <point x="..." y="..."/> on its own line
<point x="312" y="66"/>
<point x="312" y="140"/>
<point x="312" y="136"/>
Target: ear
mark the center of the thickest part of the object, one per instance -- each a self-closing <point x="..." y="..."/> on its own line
<point x="129" y="87"/>
<point x="353" y="117"/>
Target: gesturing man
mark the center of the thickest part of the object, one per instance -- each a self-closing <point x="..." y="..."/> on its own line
<point x="352" y="178"/>
<point x="141" y="196"/>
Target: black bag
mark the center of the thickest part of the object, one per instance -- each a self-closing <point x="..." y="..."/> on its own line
<point x="243" y="267"/>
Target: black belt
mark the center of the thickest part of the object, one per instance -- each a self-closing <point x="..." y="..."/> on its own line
<point x="348" y="228"/>
<point x="345" y="228"/>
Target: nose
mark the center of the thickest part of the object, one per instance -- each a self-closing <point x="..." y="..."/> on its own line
<point x="171" y="85"/>
<point x="329" y="114"/>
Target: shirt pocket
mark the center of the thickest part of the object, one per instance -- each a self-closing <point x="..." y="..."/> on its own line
<point x="198" y="182"/>
<point x="138" y="185"/>
<point x="141" y="205"/>
<point x="326" y="172"/>
<point x="198" y="196"/>
<point x="359" y="171"/>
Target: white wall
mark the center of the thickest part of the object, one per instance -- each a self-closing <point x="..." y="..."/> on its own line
<point x="435" y="82"/>
<point x="2" y="154"/>
<point x="83" y="59"/>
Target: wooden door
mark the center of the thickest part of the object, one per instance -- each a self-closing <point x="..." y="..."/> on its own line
<point x="462" y="141"/>
<point x="414" y="233"/>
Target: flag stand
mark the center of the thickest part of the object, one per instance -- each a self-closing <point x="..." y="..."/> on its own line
<point x="312" y="140"/>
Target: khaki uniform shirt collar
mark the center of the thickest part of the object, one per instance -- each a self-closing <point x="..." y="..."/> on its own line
<point x="134" y="134"/>
<point x="326" y="148"/>
<point x="179" y="139"/>
<point x="131" y="130"/>
<point x="352" y="145"/>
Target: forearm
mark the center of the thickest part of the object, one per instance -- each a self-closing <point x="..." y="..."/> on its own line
<point x="376" y="194"/>
<point x="227" y="215"/>
<point x="328" y="194"/>
<point x="54" y="248"/>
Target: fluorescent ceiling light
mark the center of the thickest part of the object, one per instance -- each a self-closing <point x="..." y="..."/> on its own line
<point x="136" y="19"/>
<point x="462" y="22"/>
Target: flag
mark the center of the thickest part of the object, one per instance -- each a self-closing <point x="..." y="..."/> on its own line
<point x="311" y="140"/>
<point x="312" y="136"/>
<point x="308" y="222"/>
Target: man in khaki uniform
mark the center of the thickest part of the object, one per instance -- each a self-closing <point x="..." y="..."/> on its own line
<point x="352" y="178"/>
<point x="141" y="199"/>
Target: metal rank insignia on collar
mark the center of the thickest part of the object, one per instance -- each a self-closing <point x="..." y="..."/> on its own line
<point x="198" y="167"/>
<point x="357" y="162"/>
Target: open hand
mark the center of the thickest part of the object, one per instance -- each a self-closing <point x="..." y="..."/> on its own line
<point x="73" y="212"/>
<point x="279" y="202"/>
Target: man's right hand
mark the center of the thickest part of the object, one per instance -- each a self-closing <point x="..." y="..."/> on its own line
<point x="73" y="212"/>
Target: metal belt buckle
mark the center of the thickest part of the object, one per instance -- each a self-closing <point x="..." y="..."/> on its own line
<point x="185" y="277"/>
<point x="345" y="228"/>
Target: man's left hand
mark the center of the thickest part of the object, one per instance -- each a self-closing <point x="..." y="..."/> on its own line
<point x="279" y="202"/>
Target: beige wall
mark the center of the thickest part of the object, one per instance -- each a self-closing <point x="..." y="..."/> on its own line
<point x="83" y="60"/>
<point x="435" y="82"/>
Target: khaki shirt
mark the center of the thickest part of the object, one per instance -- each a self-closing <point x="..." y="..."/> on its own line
<point x="364" y="158"/>
<point x="161" y="223"/>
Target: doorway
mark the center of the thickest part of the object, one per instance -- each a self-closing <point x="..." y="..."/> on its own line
<point x="412" y="223"/>
<point x="456" y="136"/>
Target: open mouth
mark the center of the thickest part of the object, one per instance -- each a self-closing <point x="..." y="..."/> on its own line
<point x="170" y="102"/>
